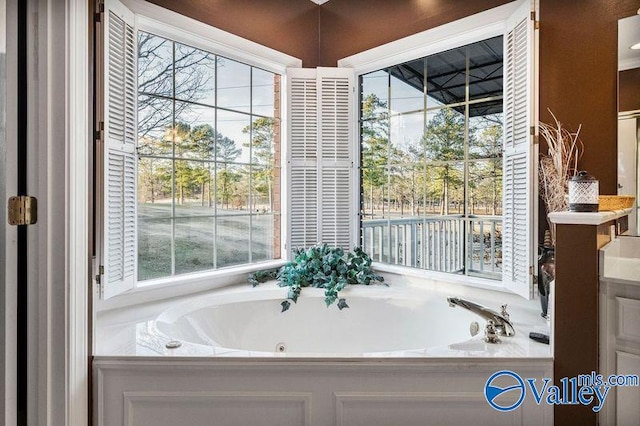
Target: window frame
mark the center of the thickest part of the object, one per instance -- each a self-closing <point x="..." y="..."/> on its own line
<point x="181" y="29"/>
<point x="471" y="29"/>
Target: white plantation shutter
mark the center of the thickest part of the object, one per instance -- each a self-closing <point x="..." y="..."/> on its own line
<point x="335" y="103"/>
<point x="320" y="157"/>
<point x="119" y="156"/>
<point x="303" y="158"/>
<point x="520" y="181"/>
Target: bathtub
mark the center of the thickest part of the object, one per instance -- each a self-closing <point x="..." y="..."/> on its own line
<point x="399" y="320"/>
<point x="399" y="355"/>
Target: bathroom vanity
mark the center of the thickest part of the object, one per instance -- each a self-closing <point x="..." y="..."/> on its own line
<point x="620" y="326"/>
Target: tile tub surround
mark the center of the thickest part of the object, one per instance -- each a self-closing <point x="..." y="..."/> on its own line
<point x="133" y="331"/>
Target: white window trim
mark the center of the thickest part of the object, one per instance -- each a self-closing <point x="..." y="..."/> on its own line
<point x="181" y="285"/>
<point x="180" y="28"/>
<point x="173" y="26"/>
<point x="471" y="29"/>
<point x="478" y="27"/>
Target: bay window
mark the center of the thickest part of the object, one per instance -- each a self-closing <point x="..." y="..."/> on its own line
<point x="198" y="135"/>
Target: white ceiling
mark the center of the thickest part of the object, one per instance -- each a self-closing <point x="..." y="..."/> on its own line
<point x="628" y="34"/>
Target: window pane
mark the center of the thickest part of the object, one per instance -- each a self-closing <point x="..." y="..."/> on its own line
<point x="195" y="75"/>
<point x="233" y="137"/>
<point x="446" y="189"/>
<point x="406" y="135"/>
<point x="155" y="123"/>
<point x="232" y="189"/>
<point x="375" y="93"/>
<point x="263" y="92"/>
<point x="154" y="188"/>
<point x="375" y="192"/>
<point x="485" y="187"/>
<point x="192" y="188"/>
<point x="234" y="85"/>
<point x="154" y="248"/>
<point x="194" y="131"/>
<point x="485" y="136"/>
<point x="262" y="141"/>
<point x="232" y="240"/>
<point x="194" y="244"/>
<point x="155" y="65"/>
<point x="262" y="246"/>
<point x="443" y="138"/>
<point x="446" y="77"/>
<point x="407" y="87"/>
<point x="261" y="189"/>
<point x="485" y="69"/>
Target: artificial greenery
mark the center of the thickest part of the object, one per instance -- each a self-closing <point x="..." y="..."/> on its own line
<point x="324" y="267"/>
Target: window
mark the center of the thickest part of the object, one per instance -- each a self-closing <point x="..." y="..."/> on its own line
<point x="208" y="160"/>
<point x="431" y="155"/>
<point x="188" y="159"/>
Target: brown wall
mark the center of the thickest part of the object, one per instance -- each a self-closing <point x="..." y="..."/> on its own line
<point x="352" y="26"/>
<point x="289" y="26"/>
<point x="629" y="90"/>
<point x="578" y="74"/>
<point x="578" y="82"/>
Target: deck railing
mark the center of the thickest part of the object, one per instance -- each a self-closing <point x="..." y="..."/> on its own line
<point x="457" y="244"/>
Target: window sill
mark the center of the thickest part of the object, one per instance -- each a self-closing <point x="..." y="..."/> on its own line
<point x="442" y="278"/>
<point x="165" y="288"/>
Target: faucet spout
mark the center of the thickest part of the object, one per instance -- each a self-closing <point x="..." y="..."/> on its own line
<point x="503" y="325"/>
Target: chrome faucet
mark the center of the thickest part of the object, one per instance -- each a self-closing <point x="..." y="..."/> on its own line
<point x="501" y="321"/>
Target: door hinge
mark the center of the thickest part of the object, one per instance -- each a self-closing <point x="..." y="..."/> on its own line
<point x="98" y="133"/>
<point x="536" y="24"/>
<point x="99" y="280"/>
<point x="22" y="210"/>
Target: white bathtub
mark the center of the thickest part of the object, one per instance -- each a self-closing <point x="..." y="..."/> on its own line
<point x="398" y="356"/>
<point x="400" y="320"/>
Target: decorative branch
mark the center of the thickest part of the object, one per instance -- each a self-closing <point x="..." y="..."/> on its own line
<point x="558" y="166"/>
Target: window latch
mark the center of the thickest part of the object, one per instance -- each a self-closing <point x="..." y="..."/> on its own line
<point x="22" y="210"/>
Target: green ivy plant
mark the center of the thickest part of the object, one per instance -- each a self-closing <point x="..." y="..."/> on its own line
<point x="324" y="267"/>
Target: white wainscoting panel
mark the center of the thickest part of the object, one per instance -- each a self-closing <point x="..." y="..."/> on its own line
<point x="223" y="408"/>
<point x="419" y="409"/>
<point x="627" y="404"/>
<point x="628" y="319"/>
<point x="141" y="391"/>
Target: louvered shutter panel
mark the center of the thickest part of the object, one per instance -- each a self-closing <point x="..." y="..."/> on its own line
<point x="303" y="158"/>
<point x="335" y="105"/>
<point x="518" y="160"/>
<point x="320" y="157"/>
<point x="119" y="249"/>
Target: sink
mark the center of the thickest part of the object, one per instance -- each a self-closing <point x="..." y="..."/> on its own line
<point x="620" y="260"/>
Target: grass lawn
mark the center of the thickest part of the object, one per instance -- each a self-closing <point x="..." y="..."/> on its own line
<point x="197" y="240"/>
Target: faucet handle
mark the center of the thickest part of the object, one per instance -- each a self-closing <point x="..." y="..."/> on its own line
<point x="503" y="312"/>
<point x="491" y="333"/>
